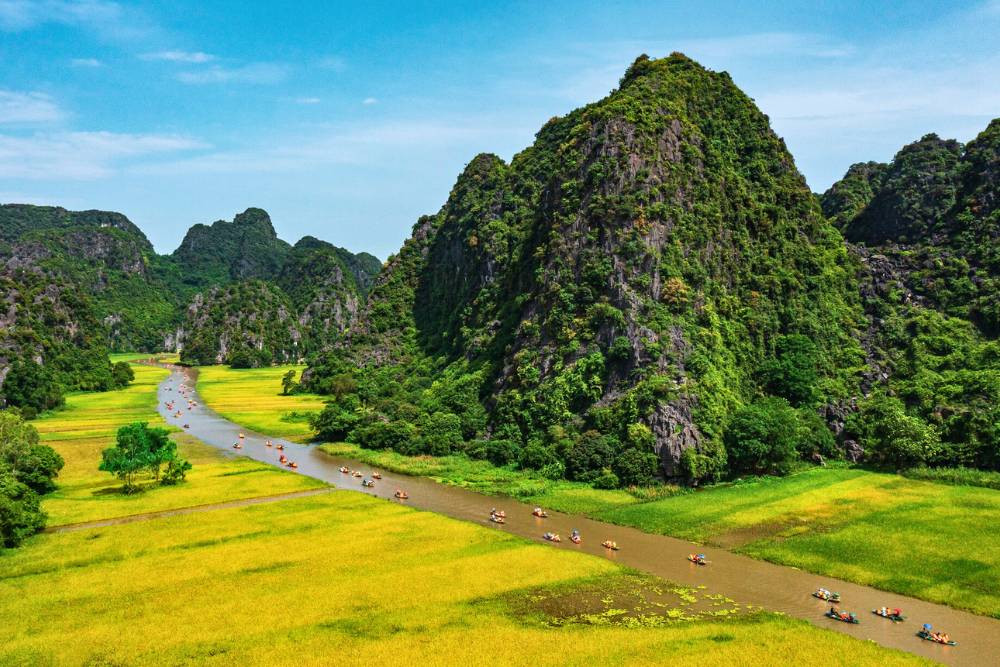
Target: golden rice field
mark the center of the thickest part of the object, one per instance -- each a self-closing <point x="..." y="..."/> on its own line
<point x="87" y="425"/>
<point x="252" y="398"/>
<point x="842" y="522"/>
<point x="343" y="578"/>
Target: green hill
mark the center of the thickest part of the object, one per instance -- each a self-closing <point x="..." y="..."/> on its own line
<point x="616" y="291"/>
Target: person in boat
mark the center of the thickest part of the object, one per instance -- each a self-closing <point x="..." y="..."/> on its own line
<point x="897" y="612"/>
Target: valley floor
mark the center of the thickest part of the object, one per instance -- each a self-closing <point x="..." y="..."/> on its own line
<point x="931" y="541"/>
<point x="336" y="577"/>
<point x="928" y="540"/>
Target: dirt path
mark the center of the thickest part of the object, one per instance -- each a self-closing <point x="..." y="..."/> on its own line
<point x="191" y="509"/>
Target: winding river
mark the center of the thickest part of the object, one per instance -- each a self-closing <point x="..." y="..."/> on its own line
<point x="745" y="580"/>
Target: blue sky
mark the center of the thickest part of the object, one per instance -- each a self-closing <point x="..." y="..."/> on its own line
<point x="349" y="120"/>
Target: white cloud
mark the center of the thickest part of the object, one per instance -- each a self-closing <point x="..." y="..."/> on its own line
<point x="368" y="101"/>
<point x="264" y="73"/>
<point x="85" y="62"/>
<point x="81" y="155"/>
<point x="108" y="20"/>
<point x="27" y="108"/>
<point x="179" y="56"/>
<point x="307" y="100"/>
<point x="355" y="144"/>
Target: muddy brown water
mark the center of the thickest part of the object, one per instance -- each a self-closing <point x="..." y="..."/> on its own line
<point x="745" y="580"/>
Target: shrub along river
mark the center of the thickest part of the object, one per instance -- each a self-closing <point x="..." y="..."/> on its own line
<point x="745" y="580"/>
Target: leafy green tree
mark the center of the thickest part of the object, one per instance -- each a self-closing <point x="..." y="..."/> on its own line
<point x="500" y="452"/>
<point x="606" y="479"/>
<point x="122" y="374"/>
<point x="242" y="358"/>
<point x="634" y="467"/>
<point x="535" y="456"/>
<point x="398" y="435"/>
<point x="705" y="463"/>
<point x="441" y="433"/>
<point x="31" y="387"/>
<point x="20" y="512"/>
<point x="337" y="419"/>
<point x="288" y="382"/>
<point x="792" y="372"/>
<point x="31" y="463"/>
<point x="761" y="437"/>
<point x="892" y="437"/>
<point x="591" y="454"/>
<point x="814" y="436"/>
<point x="176" y="472"/>
<point x="138" y="449"/>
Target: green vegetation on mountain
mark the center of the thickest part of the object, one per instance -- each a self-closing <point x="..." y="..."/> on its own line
<point x="103" y="255"/>
<point x="246" y="324"/>
<point x="50" y="341"/>
<point x="924" y="232"/>
<point x="77" y="284"/>
<point x="225" y="251"/>
<point x="605" y="304"/>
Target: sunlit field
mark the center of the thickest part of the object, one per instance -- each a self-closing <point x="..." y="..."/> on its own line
<point x="928" y="540"/>
<point x="883" y="530"/>
<point x="87" y="425"/>
<point x="88" y="422"/>
<point x="933" y="541"/>
<point x="252" y="397"/>
<point x="344" y="578"/>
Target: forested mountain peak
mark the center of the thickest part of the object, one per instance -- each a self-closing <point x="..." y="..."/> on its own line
<point x="247" y="247"/>
<point x="18" y="221"/>
<point x="625" y="276"/>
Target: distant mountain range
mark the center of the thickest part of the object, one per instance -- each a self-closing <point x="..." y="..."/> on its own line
<point x="83" y="283"/>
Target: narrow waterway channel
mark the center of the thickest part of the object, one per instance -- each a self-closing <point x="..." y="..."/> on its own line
<point x="745" y="580"/>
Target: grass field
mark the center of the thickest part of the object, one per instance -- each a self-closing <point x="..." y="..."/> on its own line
<point x="87" y="425"/>
<point x="343" y="578"/>
<point x="928" y="540"/>
<point x="252" y="398"/>
<point x="931" y="541"/>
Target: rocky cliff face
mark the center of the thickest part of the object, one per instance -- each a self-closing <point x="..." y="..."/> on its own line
<point x="246" y="324"/>
<point x="925" y="234"/>
<point x="630" y="269"/>
<point x="102" y="254"/>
